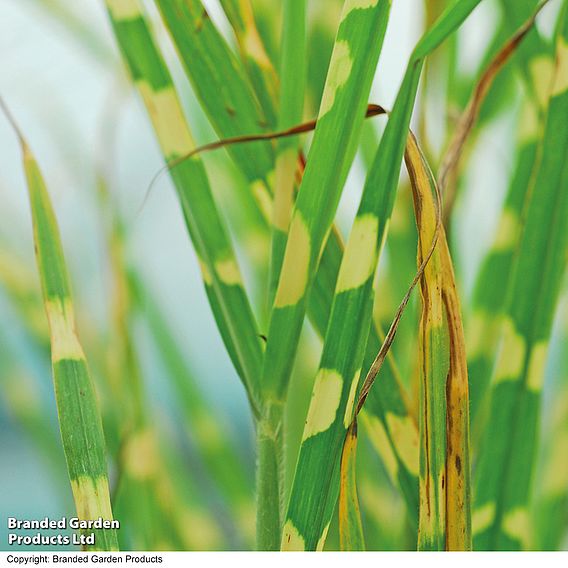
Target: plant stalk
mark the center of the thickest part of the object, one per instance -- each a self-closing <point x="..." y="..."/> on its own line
<point x="269" y="476"/>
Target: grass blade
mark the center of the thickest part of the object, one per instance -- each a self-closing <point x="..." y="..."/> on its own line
<point x="351" y="535"/>
<point x="536" y="65"/>
<point x="333" y="397"/>
<point x="503" y="480"/>
<point x="79" y="418"/>
<point x="293" y="73"/>
<point x="391" y="147"/>
<point x="341" y="115"/>
<point x="257" y="63"/>
<point x="488" y="300"/>
<point x="222" y="87"/>
<point x="393" y="431"/>
<point x="445" y="516"/>
<point x="551" y="507"/>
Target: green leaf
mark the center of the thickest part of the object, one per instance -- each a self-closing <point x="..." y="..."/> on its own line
<point x="79" y="418"/>
<point x="506" y="461"/>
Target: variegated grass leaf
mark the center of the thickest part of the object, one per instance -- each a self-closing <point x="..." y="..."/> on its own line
<point x="351" y="536"/>
<point x="550" y="505"/>
<point x="257" y="63"/>
<point x="220" y="271"/>
<point x="84" y="448"/>
<point x="534" y="58"/>
<point x="445" y="509"/>
<point x="223" y="89"/>
<point x="292" y="73"/>
<point x="503" y="477"/>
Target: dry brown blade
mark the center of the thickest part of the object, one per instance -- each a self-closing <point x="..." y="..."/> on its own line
<point x="372" y="110"/>
<point x="467" y="120"/>
<point x="389" y="338"/>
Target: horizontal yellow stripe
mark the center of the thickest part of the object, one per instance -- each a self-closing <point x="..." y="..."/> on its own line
<point x="64" y="341"/>
<point x="291" y="538"/>
<point x="168" y="119"/>
<point x="296" y="264"/>
<point x="124" y="9"/>
<point x="360" y="254"/>
<point x="326" y="397"/>
<point x="92" y="498"/>
<point x="339" y="72"/>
